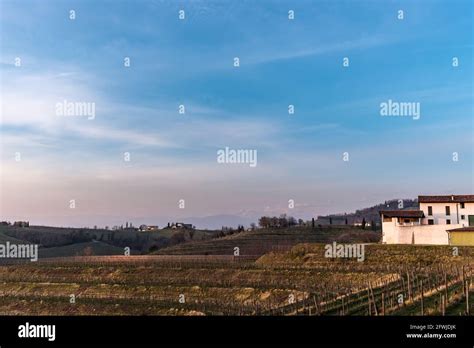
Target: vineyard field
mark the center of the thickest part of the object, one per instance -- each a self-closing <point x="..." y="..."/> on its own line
<point x="392" y="280"/>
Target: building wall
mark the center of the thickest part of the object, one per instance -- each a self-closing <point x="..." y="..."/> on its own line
<point x="468" y="210"/>
<point x="422" y="234"/>
<point x="439" y="213"/>
<point x="461" y="238"/>
<point x="389" y="232"/>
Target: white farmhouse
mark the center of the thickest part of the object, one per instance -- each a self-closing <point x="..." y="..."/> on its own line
<point x="432" y="223"/>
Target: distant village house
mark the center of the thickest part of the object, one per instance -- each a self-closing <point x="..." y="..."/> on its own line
<point x="148" y="227"/>
<point x="180" y="225"/>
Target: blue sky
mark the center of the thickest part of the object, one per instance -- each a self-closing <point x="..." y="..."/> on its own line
<point x="190" y="62"/>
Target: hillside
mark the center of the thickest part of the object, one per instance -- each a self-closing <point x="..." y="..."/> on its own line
<point x="4" y="238"/>
<point x="376" y="256"/>
<point x="369" y="214"/>
<point x="82" y="249"/>
<point x="261" y="241"/>
<point x="63" y="241"/>
<point x="144" y="241"/>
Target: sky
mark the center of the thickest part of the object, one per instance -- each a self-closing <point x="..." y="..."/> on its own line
<point x="336" y="153"/>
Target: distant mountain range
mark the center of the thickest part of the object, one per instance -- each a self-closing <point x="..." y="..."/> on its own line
<point x="213" y="222"/>
<point x="369" y="214"/>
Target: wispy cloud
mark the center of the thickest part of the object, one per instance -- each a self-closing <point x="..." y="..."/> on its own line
<point x="190" y="62"/>
<point x="292" y="51"/>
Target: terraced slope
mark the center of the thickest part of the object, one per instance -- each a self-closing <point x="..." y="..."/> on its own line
<point x="262" y="241"/>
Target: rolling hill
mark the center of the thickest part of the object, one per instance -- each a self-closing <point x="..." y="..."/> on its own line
<point x="82" y="249"/>
<point x="260" y="241"/>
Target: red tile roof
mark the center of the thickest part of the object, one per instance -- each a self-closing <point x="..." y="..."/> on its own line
<point x="446" y="199"/>
<point x="402" y="213"/>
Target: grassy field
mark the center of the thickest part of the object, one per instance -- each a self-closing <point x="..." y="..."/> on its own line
<point x="299" y="281"/>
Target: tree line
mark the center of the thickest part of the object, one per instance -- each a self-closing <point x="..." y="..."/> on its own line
<point x="279" y="222"/>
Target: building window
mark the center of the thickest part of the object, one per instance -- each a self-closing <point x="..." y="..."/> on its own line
<point x="448" y="222"/>
<point x="448" y="210"/>
<point x="430" y="210"/>
<point x="430" y="222"/>
<point x="462" y="205"/>
<point x="463" y="217"/>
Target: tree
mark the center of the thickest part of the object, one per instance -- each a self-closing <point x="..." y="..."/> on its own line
<point x="292" y="221"/>
<point x="283" y="221"/>
<point x="274" y="222"/>
<point x="264" y="222"/>
<point x="363" y="223"/>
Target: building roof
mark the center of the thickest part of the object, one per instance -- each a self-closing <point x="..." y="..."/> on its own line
<point x="463" y="229"/>
<point x="402" y="213"/>
<point x="446" y="199"/>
